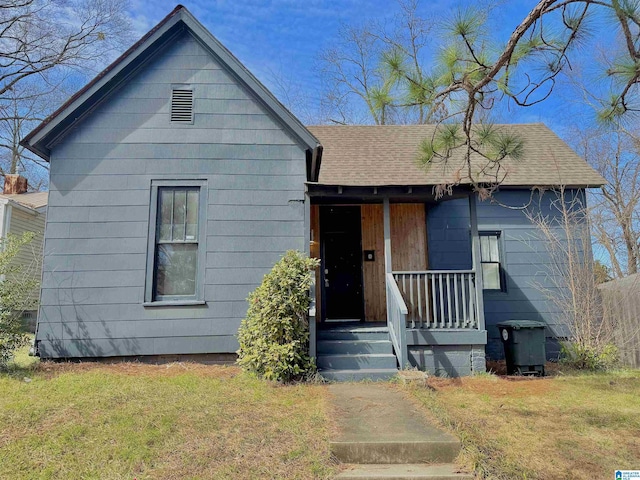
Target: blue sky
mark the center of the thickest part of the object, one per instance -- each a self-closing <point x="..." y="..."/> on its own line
<point x="285" y="37"/>
<point x="281" y="36"/>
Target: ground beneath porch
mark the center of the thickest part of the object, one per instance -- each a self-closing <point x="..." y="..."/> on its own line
<point x="381" y="434"/>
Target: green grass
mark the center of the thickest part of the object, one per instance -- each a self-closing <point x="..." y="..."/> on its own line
<point x="578" y="426"/>
<point x="22" y="362"/>
<point x="126" y="421"/>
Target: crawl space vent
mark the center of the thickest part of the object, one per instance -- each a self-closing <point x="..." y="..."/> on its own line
<point x="181" y="105"/>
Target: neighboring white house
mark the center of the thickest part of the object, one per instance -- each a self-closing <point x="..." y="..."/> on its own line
<point x="22" y="212"/>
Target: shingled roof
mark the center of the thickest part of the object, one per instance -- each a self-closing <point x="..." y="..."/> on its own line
<point x="30" y="200"/>
<point x="386" y="155"/>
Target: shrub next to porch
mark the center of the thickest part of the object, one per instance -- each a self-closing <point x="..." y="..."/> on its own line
<point x="274" y="337"/>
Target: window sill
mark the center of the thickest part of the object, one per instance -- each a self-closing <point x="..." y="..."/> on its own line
<point x="175" y="303"/>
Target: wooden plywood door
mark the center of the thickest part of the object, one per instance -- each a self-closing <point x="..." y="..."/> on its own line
<point x="375" y="307"/>
<point x="408" y="237"/>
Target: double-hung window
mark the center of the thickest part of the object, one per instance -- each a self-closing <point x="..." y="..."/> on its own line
<point x="176" y="250"/>
<point x="490" y="258"/>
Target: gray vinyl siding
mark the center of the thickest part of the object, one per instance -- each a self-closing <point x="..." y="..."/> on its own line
<point x="100" y="188"/>
<point x="524" y="252"/>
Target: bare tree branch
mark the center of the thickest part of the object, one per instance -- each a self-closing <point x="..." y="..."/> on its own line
<point x="46" y="48"/>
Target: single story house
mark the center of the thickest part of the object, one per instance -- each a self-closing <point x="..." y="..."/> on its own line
<point x="20" y="212"/>
<point x="178" y="180"/>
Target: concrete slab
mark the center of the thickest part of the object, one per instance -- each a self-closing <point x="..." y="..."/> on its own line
<point x="379" y="426"/>
<point x="403" y="472"/>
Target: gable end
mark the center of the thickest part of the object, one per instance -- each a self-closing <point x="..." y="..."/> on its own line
<point x="52" y="129"/>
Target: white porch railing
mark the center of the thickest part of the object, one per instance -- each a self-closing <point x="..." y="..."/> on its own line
<point x="397" y="321"/>
<point x="439" y="298"/>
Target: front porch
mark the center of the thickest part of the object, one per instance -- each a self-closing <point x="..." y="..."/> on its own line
<point x="375" y="275"/>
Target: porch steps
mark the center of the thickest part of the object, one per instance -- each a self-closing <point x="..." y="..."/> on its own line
<point x="354" y="333"/>
<point x="373" y="361"/>
<point x="355" y="352"/>
<point x="355" y="347"/>
<point x="418" y="471"/>
<point x="365" y="374"/>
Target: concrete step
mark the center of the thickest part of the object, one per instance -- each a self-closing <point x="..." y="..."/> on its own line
<point x="403" y="472"/>
<point x="354" y="333"/>
<point x="355" y="362"/>
<point x="396" y="451"/>
<point x="330" y="347"/>
<point x="359" y="375"/>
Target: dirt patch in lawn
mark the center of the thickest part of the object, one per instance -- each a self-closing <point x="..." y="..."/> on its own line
<point x="499" y="367"/>
<point x="52" y="369"/>
<point x="573" y="426"/>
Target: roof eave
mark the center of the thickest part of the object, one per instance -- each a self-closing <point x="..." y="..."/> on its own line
<point x="43" y="153"/>
<point x="245" y="76"/>
<point x="39" y="140"/>
<point x="461" y="184"/>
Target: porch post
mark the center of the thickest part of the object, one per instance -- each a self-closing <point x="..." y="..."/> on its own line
<point x="476" y="259"/>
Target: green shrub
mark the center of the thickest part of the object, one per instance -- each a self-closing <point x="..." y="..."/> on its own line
<point x="16" y="296"/>
<point x="588" y="357"/>
<point x="274" y="337"/>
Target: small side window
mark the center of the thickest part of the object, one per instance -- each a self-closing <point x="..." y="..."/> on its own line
<point x="175" y="265"/>
<point x="490" y="258"/>
<point x="182" y="105"/>
<point x="176" y="256"/>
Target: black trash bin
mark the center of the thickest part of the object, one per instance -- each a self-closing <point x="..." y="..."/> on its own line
<point x="524" y="346"/>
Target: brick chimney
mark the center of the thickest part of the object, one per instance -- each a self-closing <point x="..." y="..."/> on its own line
<point x="14" y="184"/>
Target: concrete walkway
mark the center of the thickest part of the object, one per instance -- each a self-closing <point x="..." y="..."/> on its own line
<point x="383" y="436"/>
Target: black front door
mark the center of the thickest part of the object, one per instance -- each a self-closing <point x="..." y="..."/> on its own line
<point x="340" y="229"/>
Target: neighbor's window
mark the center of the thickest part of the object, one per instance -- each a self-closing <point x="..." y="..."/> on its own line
<point x="177" y="242"/>
<point x="490" y="259"/>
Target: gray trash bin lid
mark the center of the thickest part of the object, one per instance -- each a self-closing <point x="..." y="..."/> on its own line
<point x="518" y="324"/>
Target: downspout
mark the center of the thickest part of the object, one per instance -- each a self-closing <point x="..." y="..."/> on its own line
<point x="312" y="291"/>
<point x="476" y="260"/>
<point x="5" y="223"/>
<point x="316" y="160"/>
<point x="33" y="351"/>
<point x="5" y="206"/>
<point x="6" y="227"/>
<point x="314" y="173"/>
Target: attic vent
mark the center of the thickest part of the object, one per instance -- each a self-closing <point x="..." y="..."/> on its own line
<point x="181" y="105"/>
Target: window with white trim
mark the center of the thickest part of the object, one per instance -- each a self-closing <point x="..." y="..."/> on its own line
<point x="490" y="259"/>
<point x="176" y="253"/>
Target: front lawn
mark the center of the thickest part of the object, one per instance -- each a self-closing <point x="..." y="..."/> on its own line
<point x="181" y="420"/>
<point x="569" y="426"/>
